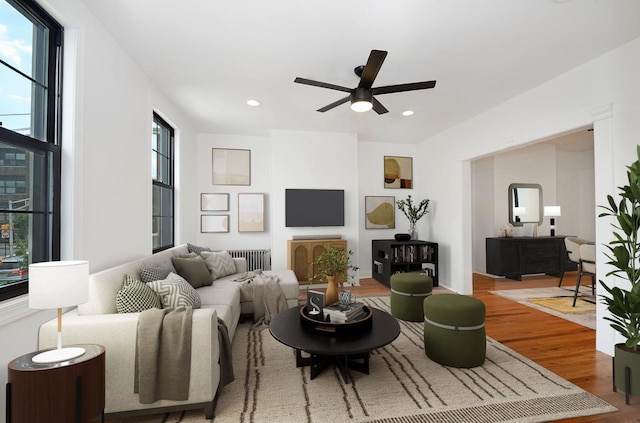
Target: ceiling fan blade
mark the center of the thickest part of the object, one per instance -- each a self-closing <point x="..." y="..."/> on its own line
<point x="371" y="69"/>
<point x="378" y="107"/>
<point x="403" y="87"/>
<point x="322" y="84"/>
<point x="334" y="104"/>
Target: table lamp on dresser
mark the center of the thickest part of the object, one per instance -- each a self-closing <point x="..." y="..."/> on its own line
<point x="58" y="284"/>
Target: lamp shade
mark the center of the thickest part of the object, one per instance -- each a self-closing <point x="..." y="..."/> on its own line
<point x="552" y="211"/>
<point x="57" y="284"/>
<point x="519" y="211"/>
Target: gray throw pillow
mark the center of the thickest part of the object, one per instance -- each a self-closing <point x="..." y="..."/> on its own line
<point x="151" y="273"/>
<point x="219" y="263"/>
<point x="197" y="249"/>
<point x="194" y="270"/>
<point x="174" y="291"/>
<point x="136" y="296"/>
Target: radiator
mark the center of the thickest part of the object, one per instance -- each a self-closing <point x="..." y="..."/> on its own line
<point x="256" y="259"/>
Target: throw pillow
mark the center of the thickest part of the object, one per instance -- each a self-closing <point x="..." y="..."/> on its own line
<point x="197" y="249"/>
<point x="174" y="292"/>
<point x="136" y="296"/>
<point x="219" y="263"/>
<point x="194" y="270"/>
<point x="150" y="274"/>
<point x="188" y="255"/>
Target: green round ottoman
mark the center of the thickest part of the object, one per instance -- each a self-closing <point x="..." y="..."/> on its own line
<point x="454" y="333"/>
<point x="408" y="291"/>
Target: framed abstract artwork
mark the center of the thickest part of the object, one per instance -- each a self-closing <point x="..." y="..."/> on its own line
<point x="214" y="202"/>
<point x="231" y="166"/>
<point x="214" y="223"/>
<point x="251" y="212"/>
<point x="380" y="212"/>
<point x="398" y="172"/>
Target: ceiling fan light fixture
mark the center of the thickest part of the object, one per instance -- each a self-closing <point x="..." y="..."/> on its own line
<point x="361" y="100"/>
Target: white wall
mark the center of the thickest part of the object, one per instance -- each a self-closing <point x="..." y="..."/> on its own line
<point x="106" y="181"/>
<point x="603" y="92"/>
<point x="576" y="194"/>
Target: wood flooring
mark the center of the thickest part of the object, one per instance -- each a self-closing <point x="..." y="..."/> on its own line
<point x="565" y="348"/>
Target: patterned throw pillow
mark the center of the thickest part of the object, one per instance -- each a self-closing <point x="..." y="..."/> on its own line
<point x="136" y="296"/>
<point x="174" y="291"/>
<point x="193" y="270"/>
<point x="157" y="273"/>
<point x="219" y="263"/>
<point x="197" y="249"/>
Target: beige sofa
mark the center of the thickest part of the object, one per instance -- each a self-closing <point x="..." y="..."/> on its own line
<point x="97" y="322"/>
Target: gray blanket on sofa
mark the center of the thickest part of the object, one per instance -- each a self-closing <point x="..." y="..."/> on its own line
<point x="163" y="354"/>
<point x="265" y="293"/>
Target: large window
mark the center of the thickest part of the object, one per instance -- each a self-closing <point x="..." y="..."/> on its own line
<point x="30" y="67"/>
<point x="162" y="176"/>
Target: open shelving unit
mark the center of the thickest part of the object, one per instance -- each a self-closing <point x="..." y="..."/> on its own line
<point x="389" y="256"/>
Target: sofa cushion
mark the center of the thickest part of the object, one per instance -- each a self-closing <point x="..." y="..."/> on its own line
<point x="174" y="291"/>
<point x="194" y="270"/>
<point x="197" y="249"/>
<point x="156" y="273"/>
<point x="219" y="263"/>
<point x="136" y="296"/>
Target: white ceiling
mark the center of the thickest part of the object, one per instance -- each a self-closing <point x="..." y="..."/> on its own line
<point x="210" y="56"/>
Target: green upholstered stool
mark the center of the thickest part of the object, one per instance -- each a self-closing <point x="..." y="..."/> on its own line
<point x="408" y="291"/>
<point x="454" y="333"/>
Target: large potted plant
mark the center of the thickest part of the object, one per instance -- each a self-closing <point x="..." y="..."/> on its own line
<point x="623" y="303"/>
<point x="333" y="264"/>
<point x="413" y="213"/>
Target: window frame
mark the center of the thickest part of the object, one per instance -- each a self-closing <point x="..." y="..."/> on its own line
<point x="51" y="145"/>
<point x="170" y="186"/>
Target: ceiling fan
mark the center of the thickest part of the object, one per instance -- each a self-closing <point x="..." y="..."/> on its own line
<point x="362" y="97"/>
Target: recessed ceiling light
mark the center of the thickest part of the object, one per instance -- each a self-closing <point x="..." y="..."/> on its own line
<point x="407" y="113"/>
<point x="253" y="103"/>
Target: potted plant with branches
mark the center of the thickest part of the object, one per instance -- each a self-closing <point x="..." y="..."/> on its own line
<point x="413" y="213"/>
<point x="333" y="264"/>
<point x="623" y="303"/>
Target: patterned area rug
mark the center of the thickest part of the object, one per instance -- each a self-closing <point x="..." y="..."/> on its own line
<point x="403" y="386"/>
<point x="557" y="301"/>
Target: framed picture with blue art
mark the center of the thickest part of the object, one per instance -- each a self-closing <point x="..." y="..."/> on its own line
<point x="398" y="172"/>
<point x="380" y="212"/>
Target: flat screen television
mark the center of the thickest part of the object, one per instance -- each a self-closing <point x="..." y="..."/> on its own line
<point x="314" y="207"/>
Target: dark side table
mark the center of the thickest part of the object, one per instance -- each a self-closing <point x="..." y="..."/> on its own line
<point x="67" y="391"/>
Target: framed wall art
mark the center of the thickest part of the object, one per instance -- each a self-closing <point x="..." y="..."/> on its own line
<point x="380" y="212"/>
<point x="231" y="166"/>
<point x="398" y="172"/>
<point x="214" y="202"/>
<point x="214" y="223"/>
<point x="251" y="212"/>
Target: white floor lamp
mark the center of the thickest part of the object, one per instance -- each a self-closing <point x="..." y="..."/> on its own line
<point x="58" y="284"/>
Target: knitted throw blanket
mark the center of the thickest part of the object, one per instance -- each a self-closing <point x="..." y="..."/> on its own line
<point x="163" y="354"/>
<point x="265" y="293"/>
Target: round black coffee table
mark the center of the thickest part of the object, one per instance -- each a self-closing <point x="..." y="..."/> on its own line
<point x="349" y="351"/>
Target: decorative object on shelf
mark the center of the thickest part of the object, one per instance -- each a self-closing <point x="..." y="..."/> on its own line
<point x="402" y="237"/>
<point x="398" y="172"/>
<point x="231" y="166"/>
<point x="251" y="212"/>
<point x="332" y="263"/>
<point x="506" y="231"/>
<point x="379" y="212"/>
<point x="214" y="223"/>
<point x="214" y="202"/>
<point x="413" y="213"/>
<point x="347" y="297"/>
<point x="58" y="284"/>
<point x="552" y="212"/>
<point x="624" y="303"/>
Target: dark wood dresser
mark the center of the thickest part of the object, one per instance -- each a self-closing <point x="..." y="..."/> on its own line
<point x="517" y="256"/>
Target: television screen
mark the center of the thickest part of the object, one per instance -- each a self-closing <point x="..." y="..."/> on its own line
<point x="314" y="207"/>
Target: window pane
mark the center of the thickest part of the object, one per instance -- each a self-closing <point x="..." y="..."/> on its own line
<point x="25" y="47"/>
